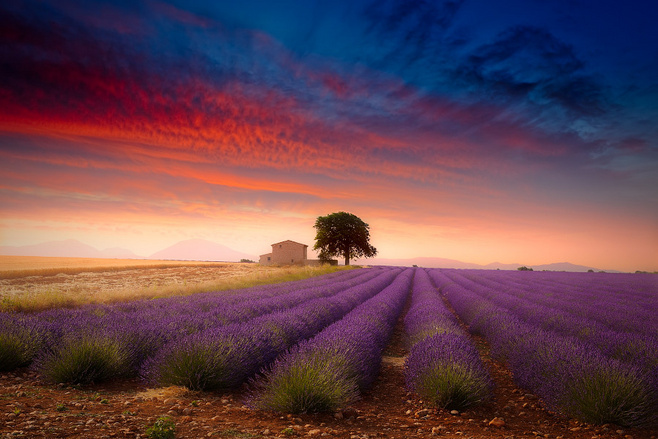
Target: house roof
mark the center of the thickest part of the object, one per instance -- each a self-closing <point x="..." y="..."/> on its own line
<point x="287" y="240"/>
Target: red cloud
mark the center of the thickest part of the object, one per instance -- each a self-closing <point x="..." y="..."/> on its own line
<point x="64" y="83"/>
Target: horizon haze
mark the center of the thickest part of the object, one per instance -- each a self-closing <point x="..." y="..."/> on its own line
<point x="202" y="250"/>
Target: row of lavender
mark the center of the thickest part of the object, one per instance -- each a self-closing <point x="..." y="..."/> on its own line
<point x="562" y="339"/>
<point x="443" y="366"/>
<point x="22" y="335"/>
<point x="167" y="340"/>
<point x="329" y="370"/>
<point x="226" y="356"/>
<point x="619" y="302"/>
<point x="596" y="318"/>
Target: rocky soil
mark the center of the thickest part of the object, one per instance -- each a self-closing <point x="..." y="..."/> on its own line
<point x="125" y="409"/>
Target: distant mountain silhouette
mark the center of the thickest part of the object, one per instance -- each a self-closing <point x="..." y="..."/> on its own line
<point x="200" y="250"/>
<point x="452" y="263"/>
<point x="68" y="248"/>
<point x="501" y="266"/>
<point x="119" y="253"/>
<point x="421" y="262"/>
<point x="193" y="249"/>
<point x="566" y="266"/>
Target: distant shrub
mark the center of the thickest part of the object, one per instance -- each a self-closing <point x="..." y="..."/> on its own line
<point x="524" y="268"/>
<point x="248" y="261"/>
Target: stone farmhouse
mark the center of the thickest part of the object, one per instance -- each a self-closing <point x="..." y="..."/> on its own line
<point x="290" y="253"/>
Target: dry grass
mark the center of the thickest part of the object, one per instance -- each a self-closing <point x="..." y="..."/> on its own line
<point x="22" y="266"/>
<point x="71" y="286"/>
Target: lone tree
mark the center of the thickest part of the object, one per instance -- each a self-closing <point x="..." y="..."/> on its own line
<point x="343" y="234"/>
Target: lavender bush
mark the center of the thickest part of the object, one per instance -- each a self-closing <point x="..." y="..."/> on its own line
<point x="20" y="340"/>
<point x="443" y="367"/>
<point x="446" y="371"/>
<point x="141" y="328"/>
<point x="321" y="382"/>
<point x="327" y="371"/>
<point x="572" y="364"/>
<point x="226" y="356"/>
<point x="604" y="390"/>
<point x="84" y="359"/>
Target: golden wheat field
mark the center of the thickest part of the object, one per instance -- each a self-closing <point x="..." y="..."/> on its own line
<point x="35" y="283"/>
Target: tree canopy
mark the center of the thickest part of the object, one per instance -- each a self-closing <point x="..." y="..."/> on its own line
<point x="343" y="234"/>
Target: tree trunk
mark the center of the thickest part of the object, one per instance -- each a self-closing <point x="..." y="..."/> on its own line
<point x="347" y="256"/>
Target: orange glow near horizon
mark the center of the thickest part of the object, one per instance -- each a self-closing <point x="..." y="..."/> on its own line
<point x="113" y="189"/>
<point x="149" y="210"/>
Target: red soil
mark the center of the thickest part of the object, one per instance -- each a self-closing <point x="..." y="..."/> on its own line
<point x="125" y="409"/>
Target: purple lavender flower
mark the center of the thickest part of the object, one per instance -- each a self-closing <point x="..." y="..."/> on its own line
<point x="443" y="367"/>
<point x="225" y="356"/>
<point x="446" y="370"/>
<point x="342" y="359"/>
<point x="574" y="357"/>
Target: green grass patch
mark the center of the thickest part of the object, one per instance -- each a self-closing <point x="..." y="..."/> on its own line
<point x="163" y="428"/>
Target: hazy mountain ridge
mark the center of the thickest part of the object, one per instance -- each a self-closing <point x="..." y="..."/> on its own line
<point x="69" y="248"/>
<point x="192" y="249"/>
<point x="453" y="263"/>
<point x="203" y="250"/>
<point x="200" y="249"/>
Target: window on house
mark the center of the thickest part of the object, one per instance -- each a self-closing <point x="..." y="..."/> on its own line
<point x="269" y="258"/>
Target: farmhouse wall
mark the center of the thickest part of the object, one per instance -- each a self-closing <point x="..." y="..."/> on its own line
<point x="286" y="253"/>
<point x="291" y="253"/>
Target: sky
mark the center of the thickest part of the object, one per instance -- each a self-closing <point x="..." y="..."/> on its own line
<point x="516" y="131"/>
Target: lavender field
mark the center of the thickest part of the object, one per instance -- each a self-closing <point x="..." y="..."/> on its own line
<point x="586" y="344"/>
